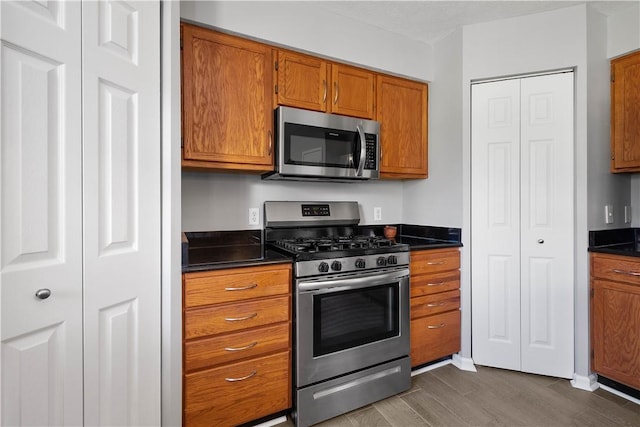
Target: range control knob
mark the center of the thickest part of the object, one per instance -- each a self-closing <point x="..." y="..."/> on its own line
<point x="381" y="261"/>
<point x="360" y="263"/>
<point x="392" y="260"/>
<point x="323" y="267"/>
<point x="336" y="265"/>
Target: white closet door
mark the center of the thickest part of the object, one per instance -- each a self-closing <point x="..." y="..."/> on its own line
<point x="121" y="178"/>
<point x="522" y="292"/>
<point x="41" y="223"/>
<point x="547" y="225"/>
<point x="495" y="222"/>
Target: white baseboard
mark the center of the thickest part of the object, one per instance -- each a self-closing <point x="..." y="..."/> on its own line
<point x="463" y="363"/>
<point x="619" y="393"/>
<point x="584" y="383"/>
<point x="430" y="367"/>
<point x="273" y="422"/>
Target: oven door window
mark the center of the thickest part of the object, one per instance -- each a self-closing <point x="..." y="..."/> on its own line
<point x="315" y="146"/>
<point x="352" y="318"/>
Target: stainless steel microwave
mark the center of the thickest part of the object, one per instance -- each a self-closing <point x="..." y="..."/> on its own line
<point x="318" y="146"/>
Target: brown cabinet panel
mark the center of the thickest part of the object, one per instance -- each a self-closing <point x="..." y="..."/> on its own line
<point x="402" y="113"/>
<point x="434" y="261"/>
<point x="434" y="304"/>
<point x="426" y="284"/>
<point x="616" y="268"/>
<point x="433" y="337"/>
<point x="223" y="318"/>
<point x="352" y="91"/>
<point x="625" y="113"/>
<point x="237" y="393"/>
<point x="212" y="287"/>
<point x="228" y="348"/>
<point x="615" y="312"/>
<point x="302" y="81"/>
<point x="226" y="102"/>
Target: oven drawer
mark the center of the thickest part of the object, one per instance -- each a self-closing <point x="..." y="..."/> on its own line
<point x="433" y="337"/>
<point x="434" y="304"/>
<point x="260" y="387"/>
<point x="213" y="287"/>
<point x="427" y="284"/>
<point x="434" y="261"/>
<point x="616" y="268"/>
<point x="239" y="345"/>
<point x="236" y="316"/>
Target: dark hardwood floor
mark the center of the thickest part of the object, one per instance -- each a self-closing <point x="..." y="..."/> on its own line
<point x="447" y="396"/>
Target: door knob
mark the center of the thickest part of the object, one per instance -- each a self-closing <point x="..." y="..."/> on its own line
<point x="541" y="241"/>
<point x="43" y="293"/>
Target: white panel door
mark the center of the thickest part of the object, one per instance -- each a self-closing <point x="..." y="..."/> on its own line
<point x="537" y="263"/>
<point x="547" y="224"/>
<point x="121" y="101"/>
<point x="41" y="223"/>
<point x="495" y="215"/>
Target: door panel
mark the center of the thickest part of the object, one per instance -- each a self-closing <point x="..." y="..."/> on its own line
<point x="40" y="221"/>
<point x="495" y="220"/>
<point x="121" y="213"/>
<point x="547" y="225"/>
<point x="522" y="224"/>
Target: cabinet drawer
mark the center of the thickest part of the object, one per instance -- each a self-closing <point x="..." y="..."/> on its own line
<point x="426" y="284"/>
<point x="235" y="316"/>
<point x="232" y="347"/>
<point x="616" y="268"/>
<point x="434" y="304"/>
<point x="236" y="393"/>
<point x="434" y="261"/>
<point x="433" y="337"/>
<point x="228" y="285"/>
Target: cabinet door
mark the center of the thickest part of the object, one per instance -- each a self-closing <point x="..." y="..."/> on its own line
<point x="302" y="81"/>
<point x="402" y="113"/>
<point x="615" y="323"/>
<point x="352" y="91"/>
<point x="625" y="113"/>
<point x="41" y="217"/>
<point x="226" y="102"/>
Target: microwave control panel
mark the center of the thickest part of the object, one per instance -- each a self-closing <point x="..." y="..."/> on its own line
<point x="372" y="150"/>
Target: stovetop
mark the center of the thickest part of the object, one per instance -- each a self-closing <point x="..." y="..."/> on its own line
<point x="306" y="248"/>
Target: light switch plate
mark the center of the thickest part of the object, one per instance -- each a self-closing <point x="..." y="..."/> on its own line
<point x="377" y="214"/>
<point x="608" y="214"/>
<point x="627" y="214"/>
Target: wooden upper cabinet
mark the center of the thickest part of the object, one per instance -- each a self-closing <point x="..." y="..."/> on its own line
<point x="625" y="113"/>
<point x="301" y="81"/>
<point x="227" y="106"/>
<point x="312" y="83"/>
<point x="402" y="113"/>
<point x="352" y="91"/>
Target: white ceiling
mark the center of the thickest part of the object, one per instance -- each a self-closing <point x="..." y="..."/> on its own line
<point x="430" y="20"/>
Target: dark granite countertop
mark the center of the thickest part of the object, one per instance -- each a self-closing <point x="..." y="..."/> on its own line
<point x="213" y="250"/>
<point x="620" y="241"/>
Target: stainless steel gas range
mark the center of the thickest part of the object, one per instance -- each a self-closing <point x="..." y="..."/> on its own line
<point x="351" y="324"/>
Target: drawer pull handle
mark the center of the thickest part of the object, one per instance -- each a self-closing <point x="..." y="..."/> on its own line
<point x="435" y="284"/>
<point x="242" y="288"/>
<point x="239" y="319"/>
<point x="233" y="380"/>
<point x="628" y="273"/>
<point x="435" y="263"/>
<point x="433" y="304"/>
<point x="246" y="347"/>
<point x="441" y="325"/>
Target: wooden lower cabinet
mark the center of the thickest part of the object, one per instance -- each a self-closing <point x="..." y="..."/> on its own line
<point x="435" y="304"/>
<point x="615" y="318"/>
<point x="237" y="344"/>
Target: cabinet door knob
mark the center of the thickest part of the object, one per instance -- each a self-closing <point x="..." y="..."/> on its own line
<point x="541" y="241"/>
<point x="43" y="293"/>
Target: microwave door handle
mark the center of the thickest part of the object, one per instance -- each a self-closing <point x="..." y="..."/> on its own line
<point x="363" y="151"/>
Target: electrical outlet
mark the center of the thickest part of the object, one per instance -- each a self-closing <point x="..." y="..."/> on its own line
<point x="254" y="216"/>
<point x="608" y="214"/>
<point x="627" y="214"/>
<point x="377" y="214"/>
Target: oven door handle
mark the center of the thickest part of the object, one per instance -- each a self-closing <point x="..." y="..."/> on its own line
<point x="354" y="282"/>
